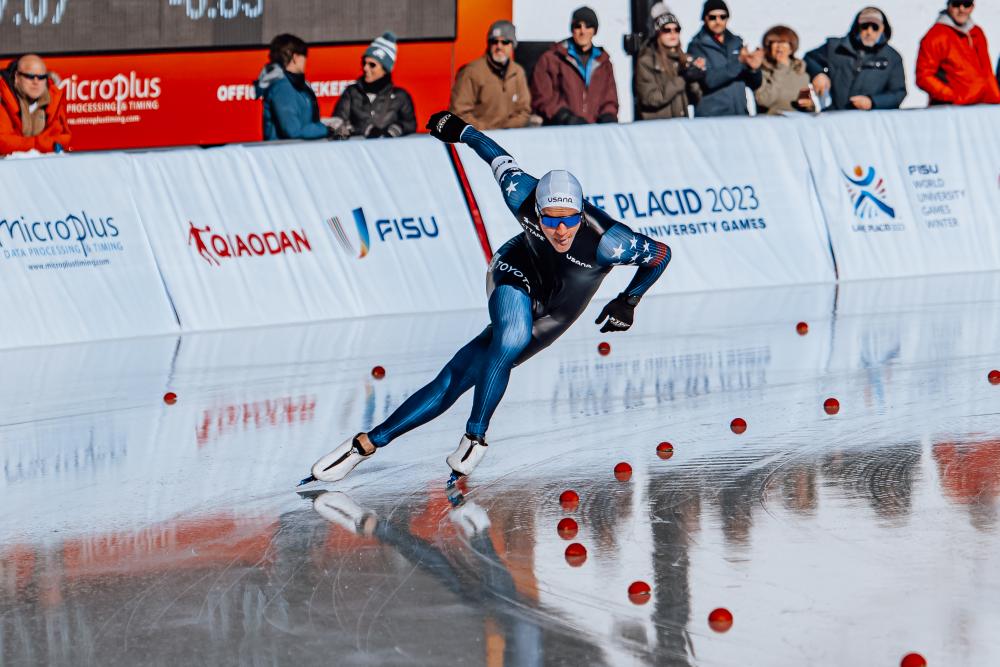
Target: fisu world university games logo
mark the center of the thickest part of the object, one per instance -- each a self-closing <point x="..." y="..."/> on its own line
<point x="386" y="229"/>
<point x="869" y="196"/>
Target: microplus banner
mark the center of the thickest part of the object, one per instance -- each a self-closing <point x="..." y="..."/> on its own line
<point x="736" y="207"/>
<point x="75" y="263"/>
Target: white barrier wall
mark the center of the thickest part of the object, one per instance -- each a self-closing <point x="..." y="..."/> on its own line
<point x="736" y="207"/>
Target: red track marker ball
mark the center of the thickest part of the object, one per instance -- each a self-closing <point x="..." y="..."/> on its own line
<point x="378" y="372"/>
<point x="623" y="472"/>
<point x="604" y="349"/>
<point x="576" y="554"/>
<point x="913" y="660"/>
<point x="664" y="450"/>
<point x="994" y="377"/>
<point x="567" y="528"/>
<point x="802" y="328"/>
<point x="569" y="499"/>
<point x="170" y="398"/>
<point x="639" y="592"/>
<point x="832" y="406"/>
<point x="738" y="425"/>
<point x="720" y="619"/>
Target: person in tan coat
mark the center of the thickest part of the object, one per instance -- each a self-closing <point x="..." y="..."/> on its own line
<point x="666" y="78"/>
<point x="491" y="92"/>
<point x="786" y="82"/>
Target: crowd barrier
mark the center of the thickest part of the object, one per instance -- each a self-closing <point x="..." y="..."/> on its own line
<point x="113" y="245"/>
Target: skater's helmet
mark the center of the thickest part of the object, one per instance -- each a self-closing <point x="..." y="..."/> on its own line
<point x="559" y="188"/>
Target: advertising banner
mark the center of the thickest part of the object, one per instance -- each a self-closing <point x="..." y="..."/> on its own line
<point x="75" y="263"/>
<point x="900" y="194"/>
<point x="736" y="207"/>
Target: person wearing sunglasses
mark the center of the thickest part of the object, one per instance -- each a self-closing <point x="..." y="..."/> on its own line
<point x="491" y="92"/>
<point x="953" y="64"/>
<point x="573" y="83"/>
<point x="374" y="106"/>
<point x="32" y="109"/>
<point x="666" y="78"/>
<point x="538" y="284"/>
<point x="730" y="69"/>
<point x="860" y="71"/>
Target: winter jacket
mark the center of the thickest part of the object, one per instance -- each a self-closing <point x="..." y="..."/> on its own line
<point x="290" y="107"/>
<point x="489" y="97"/>
<point x="954" y="66"/>
<point x="664" y="84"/>
<point x="377" y="109"/>
<point x="55" y="130"/>
<point x="726" y="78"/>
<point x="565" y="91"/>
<point x="781" y="87"/>
<point x="853" y="69"/>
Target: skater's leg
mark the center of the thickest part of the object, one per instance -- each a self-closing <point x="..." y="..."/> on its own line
<point x="433" y="399"/>
<point x="511" y="315"/>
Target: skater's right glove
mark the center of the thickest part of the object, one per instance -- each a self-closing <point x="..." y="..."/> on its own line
<point x="620" y="313"/>
<point x="447" y="127"/>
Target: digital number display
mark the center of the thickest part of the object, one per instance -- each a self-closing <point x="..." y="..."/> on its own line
<point x="80" y="26"/>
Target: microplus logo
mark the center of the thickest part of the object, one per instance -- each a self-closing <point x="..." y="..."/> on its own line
<point x="869" y="197"/>
<point x="120" y="93"/>
<point x="386" y="229"/>
<point x="76" y="234"/>
<point x="215" y="248"/>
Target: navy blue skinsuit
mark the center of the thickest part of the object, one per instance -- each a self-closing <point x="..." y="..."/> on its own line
<point x="535" y="294"/>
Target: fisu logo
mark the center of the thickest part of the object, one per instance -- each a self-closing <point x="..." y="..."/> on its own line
<point x="386" y="229"/>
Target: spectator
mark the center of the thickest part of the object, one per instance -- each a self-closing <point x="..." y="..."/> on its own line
<point x="786" y="83"/>
<point x="573" y="82"/>
<point x="953" y="64"/>
<point x="491" y="92"/>
<point x="290" y="107"/>
<point x="32" y="110"/>
<point x="730" y="68"/>
<point x="666" y="78"/>
<point x="859" y="71"/>
<point x="373" y="106"/>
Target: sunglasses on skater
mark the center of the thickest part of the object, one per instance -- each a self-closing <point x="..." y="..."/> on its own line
<point x="553" y="222"/>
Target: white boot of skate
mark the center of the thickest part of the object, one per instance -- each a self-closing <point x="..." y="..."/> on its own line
<point x="334" y="466"/>
<point x="470" y="452"/>
<point x="338" y="508"/>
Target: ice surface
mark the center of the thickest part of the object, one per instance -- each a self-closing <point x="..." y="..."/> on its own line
<point x="132" y="532"/>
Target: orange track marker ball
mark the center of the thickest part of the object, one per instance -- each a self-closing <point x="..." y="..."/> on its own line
<point x="832" y="406"/>
<point x="576" y="554"/>
<point x="664" y="450"/>
<point x="639" y="592"/>
<point x="720" y="620"/>
<point x="623" y="472"/>
<point x="802" y="328"/>
<point x="569" y="499"/>
<point x="170" y="398"/>
<point x="604" y="349"/>
<point x="378" y="372"/>
<point x="994" y="377"/>
<point x="567" y="528"/>
<point x="913" y="660"/>
<point x="738" y="425"/>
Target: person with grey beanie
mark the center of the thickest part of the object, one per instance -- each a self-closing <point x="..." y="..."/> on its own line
<point x="491" y="92"/>
<point x="374" y="106"/>
<point x="666" y="78"/>
<point x="730" y="69"/>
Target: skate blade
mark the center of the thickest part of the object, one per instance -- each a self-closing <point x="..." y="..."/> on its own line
<point x="308" y="480"/>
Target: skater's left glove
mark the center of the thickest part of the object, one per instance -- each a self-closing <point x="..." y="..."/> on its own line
<point x="447" y="127"/>
<point x="620" y="313"/>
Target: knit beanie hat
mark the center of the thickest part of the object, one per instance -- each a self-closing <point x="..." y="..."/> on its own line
<point x="502" y="30"/>
<point x="585" y="14"/>
<point x="662" y="16"/>
<point x="383" y="49"/>
<point x="714" y="6"/>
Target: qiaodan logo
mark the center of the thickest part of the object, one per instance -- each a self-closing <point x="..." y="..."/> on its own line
<point x="868" y="193"/>
<point x="215" y="248"/>
<point x="406" y="228"/>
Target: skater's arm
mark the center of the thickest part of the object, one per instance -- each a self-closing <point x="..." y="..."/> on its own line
<point x="622" y="246"/>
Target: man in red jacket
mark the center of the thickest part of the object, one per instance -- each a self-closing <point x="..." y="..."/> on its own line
<point x="573" y="82"/>
<point x="32" y="109"/>
<point x="954" y="62"/>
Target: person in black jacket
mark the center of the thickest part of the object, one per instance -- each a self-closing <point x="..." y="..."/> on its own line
<point x="373" y="106"/>
<point x="730" y="68"/>
<point x="860" y="71"/>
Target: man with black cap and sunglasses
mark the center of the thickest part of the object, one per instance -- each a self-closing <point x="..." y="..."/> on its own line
<point x="32" y="109"/>
<point x="730" y="69"/>
<point x="573" y="82"/>
<point x="538" y="283"/>
<point x="953" y="64"/>
<point x="491" y="92"/>
<point x="860" y="71"/>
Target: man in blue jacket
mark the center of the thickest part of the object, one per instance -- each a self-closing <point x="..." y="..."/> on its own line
<point x="860" y="71"/>
<point x="290" y="107"/>
<point x="729" y="68"/>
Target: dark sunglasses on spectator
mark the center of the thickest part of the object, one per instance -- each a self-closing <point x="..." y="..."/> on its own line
<point x="580" y="25"/>
<point x="671" y="30"/>
<point x="569" y="220"/>
<point x="369" y="64"/>
<point x="504" y="42"/>
<point x="874" y="27"/>
<point x="34" y="77"/>
<point x="718" y="17"/>
<point x="961" y="3"/>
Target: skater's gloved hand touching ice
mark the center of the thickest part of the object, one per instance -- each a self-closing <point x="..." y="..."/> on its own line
<point x="447" y="127"/>
<point x="619" y="313"/>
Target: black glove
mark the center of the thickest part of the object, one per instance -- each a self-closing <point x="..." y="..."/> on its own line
<point x="607" y="118"/>
<point x="620" y="313"/>
<point x="566" y="117"/>
<point x="372" y="132"/>
<point x="447" y="127"/>
<point x="693" y="74"/>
